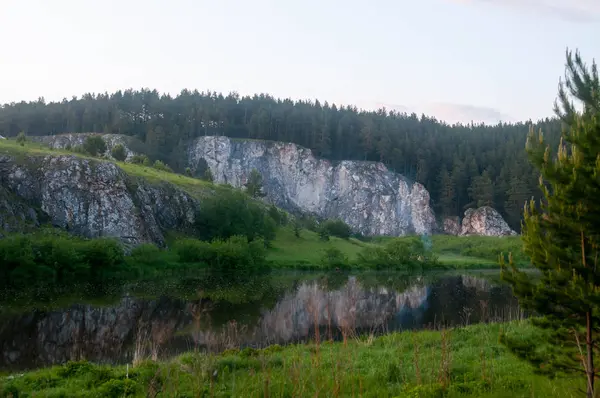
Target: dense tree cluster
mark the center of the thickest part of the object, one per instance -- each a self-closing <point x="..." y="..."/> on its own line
<point x="461" y="165"/>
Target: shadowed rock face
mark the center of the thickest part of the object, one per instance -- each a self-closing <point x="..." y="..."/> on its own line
<point x="485" y="221"/>
<point x="366" y="195"/>
<point x="94" y="199"/>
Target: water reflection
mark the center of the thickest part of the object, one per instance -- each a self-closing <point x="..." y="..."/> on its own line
<point x="156" y="320"/>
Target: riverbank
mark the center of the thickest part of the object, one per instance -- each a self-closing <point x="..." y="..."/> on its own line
<point x="461" y="362"/>
<point x="452" y="252"/>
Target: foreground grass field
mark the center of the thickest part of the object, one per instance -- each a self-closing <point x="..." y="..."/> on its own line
<point x="464" y="362"/>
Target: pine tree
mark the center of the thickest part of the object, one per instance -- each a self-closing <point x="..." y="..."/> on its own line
<point x="516" y="196"/>
<point x="561" y="234"/>
<point x="254" y="186"/>
<point x="447" y="195"/>
<point x="481" y="190"/>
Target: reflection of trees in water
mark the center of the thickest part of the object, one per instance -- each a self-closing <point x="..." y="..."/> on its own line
<point x="216" y="313"/>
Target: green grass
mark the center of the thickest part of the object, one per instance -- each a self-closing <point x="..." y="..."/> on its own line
<point x="464" y="362"/>
<point x="308" y="249"/>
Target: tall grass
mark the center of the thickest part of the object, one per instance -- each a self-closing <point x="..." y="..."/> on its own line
<point x="460" y="362"/>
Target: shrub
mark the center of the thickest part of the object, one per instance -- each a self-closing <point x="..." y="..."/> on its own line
<point x="94" y="145"/>
<point x="233" y="213"/>
<point x="279" y="216"/>
<point x="207" y="175"/>
<point x="140" y="159"/>
<point x="41" y="259"/>
<point x="104" y="257"/>
<point x="147" y="255"/>
<point x="337" y="228"/>
<point x="21" y="138"/>
<point x="118" y="153"/>
<point x="398" y="253"/>
<point x="334" y="258"/>
<point x="188" y="172"/>
<point x="193" y="251"/>
<point x="233" y="254"/>
<point x="159" y="165"/>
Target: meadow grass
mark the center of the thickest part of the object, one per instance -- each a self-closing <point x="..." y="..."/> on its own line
<point x="461" y="362"/>
<point x="287" y="249"/>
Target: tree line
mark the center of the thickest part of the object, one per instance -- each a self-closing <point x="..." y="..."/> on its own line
<point x="461" y="165"/>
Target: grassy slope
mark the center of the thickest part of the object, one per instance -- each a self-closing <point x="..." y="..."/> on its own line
<point x="308" y="249"/>
<point x="407" y="364"/>
<point x="460" y="252"/>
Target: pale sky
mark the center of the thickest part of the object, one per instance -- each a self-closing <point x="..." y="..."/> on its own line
<point x="458" y="60"/>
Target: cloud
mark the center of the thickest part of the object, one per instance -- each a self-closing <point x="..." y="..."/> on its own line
<point x="448" y="112"/>
<point x="569" y="10"/>
<point x="454" y="113"/>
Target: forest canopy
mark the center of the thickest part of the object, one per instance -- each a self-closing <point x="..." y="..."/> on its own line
<point x="461" y="165"/>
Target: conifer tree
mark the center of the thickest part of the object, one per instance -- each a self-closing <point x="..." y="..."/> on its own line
<point x="561" y="234"/>
<point x="254" y="186"/>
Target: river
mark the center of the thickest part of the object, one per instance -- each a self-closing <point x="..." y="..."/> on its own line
<point x="160" y="319"/>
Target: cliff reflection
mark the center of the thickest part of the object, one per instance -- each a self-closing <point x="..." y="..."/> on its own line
<point x="160" y="320"/>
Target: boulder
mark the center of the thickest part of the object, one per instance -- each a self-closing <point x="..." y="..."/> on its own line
<point x="484" y="221"/>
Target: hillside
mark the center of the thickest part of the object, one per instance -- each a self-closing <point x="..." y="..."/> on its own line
<point x="142" y="204"/>
<point x="461" y="165"/>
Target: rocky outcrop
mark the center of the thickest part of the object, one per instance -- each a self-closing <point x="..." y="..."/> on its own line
<point x="93" y="198"/>
<point x="451" y="225"/>
<point x="484" y="221"/>
<point x="366" y="195"/>
<point x="67" y="141"/>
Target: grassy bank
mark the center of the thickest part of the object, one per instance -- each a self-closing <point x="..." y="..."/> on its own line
<point x="454" y="252"/>
<point x="464" y="362"/>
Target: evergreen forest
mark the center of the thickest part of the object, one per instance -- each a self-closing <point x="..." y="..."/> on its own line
<point x="462" y="165"/>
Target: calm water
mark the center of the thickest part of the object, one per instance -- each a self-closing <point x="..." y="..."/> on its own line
<point x="161" y="319"/>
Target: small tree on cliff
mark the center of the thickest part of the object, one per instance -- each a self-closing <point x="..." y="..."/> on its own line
<point x="118" y="152"/>
<point x="562" y="235"/>
<point x="21" y="138"/>
<point x="94" y="145"/>
<point x="254" y="186"/>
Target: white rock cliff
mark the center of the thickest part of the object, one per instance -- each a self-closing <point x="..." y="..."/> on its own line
<point x="91" y="198"/>
<point x="366" y="195"/>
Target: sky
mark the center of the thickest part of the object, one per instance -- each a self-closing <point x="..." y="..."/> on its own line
<point x="457" y="60"/>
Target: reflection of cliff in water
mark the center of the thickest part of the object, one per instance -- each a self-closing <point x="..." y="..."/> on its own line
<point x="136" y="328"/>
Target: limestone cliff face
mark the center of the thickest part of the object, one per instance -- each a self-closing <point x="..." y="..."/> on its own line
<point x="92" y="198"/>
<point x="366" y="195"/>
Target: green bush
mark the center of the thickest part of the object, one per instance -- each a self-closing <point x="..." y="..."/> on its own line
<point x="337" y="228"/>
<point x="140" y="159"/>
<point x="233" y="254"/>
<point x="39" y="260"/>
<point x="21" y="138"/>
<point x="232" y="213"/>
<point x="399" y="253"/>
<point x="94" y="145"/>
<point x="147" y="255"/>
<point x="333" y="258"/>
<point x="159" y="165"/>
<point x="279" y="216"/>
<point x="118" y="153"/>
